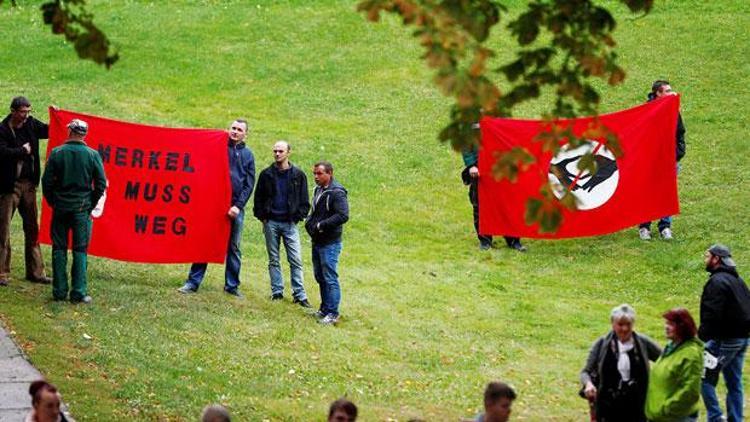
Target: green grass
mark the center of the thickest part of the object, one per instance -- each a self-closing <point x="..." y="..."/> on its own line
<point x="427" y="318"/>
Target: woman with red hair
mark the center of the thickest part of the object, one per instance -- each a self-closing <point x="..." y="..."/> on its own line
<point x="674" y="384"/>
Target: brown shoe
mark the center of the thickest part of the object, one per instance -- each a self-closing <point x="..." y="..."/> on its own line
<point x="41" y="280"/>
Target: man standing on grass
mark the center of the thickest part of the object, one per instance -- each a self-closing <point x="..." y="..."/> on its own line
<point x="20" y="169"/>
<point x="242" y="175"/>
<point x="282" y="201"/>
<point x="72" y="184"/>
<point x="725" y="320"/>
<point x="330" y="210"/>
<point x="470" y="177"/>
<point x="661" y="88"/>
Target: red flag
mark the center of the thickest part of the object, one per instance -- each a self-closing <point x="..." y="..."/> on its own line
<point x="168" y="191"/>
<point x="639" y="186"/>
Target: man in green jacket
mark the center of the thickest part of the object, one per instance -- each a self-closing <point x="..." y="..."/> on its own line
<point x="72" y="184"/>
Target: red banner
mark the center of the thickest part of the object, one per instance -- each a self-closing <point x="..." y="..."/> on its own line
<point x="168" y="191"/>
<point x="639" y="186"/>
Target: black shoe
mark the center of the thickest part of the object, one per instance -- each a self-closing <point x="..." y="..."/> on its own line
<point x="3" y="282"/>
<point x="234" y="293"/>
<point x="86" y="300"/>
<point x="303" y="303"/>
<point x="277" y="296"/>
<point x="517" y="246"/>
<point x="485" y="246"/>
<point x="41" y="280"/>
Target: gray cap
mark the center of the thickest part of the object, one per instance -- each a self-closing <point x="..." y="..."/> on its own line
<point x="78" y="126"/>
<point x="724" y="253"/>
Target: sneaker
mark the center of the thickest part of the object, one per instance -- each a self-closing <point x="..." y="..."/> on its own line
<point x="318" y="314"/>
<point x="41" y="280"/>
<point x="517" y="246"/>
<point x="3" y="282"/>
<point x="86" y="300"/>
<point x="485" y="246"/>
<point x="187" y="289"/>
<point x="303" y="303"/>
<point x="666" y="234"/>
<point x="329" y="319"/>
<point x="277" y="296"/>
<point x="644" y="233"/>
<point x="236" y="293"/>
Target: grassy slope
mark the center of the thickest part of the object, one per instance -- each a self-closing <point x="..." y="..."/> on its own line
<point x="428" y="319"/>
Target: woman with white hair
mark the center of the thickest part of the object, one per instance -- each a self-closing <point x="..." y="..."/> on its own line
<point x="615" y="378"/>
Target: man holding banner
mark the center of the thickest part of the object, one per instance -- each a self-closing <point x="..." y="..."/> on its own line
<point x="72" y="184"/>
<point x="242" y="175"/>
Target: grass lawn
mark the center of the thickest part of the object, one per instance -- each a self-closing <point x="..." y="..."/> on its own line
<point x="427" y="318"/>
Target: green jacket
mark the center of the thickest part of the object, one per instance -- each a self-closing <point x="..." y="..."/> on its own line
<point x="74" y="177"/>
<point x="674" y="385"/>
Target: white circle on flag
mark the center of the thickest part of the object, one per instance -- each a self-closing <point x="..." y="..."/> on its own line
<point x="590" y="191"/>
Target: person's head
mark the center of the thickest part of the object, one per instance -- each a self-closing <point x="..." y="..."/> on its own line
<point x="20" y="109"/>
<point x="661" y="88"/>
<point x="498" y="399"/>
<point x="323" y="172"/>
<point x="238" y="130"/>
<point x="717" y="255"/>
<point x="623" y="318"/>
<point x="679" y="325"/>
<point x="281" y="151"/>
<point x="342" y="410"/>
<point x="45" y="400"/>
<point x="215" y="413"/>
<point x="77" y="129"/>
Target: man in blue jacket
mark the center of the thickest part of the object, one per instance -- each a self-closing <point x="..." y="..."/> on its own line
<point x="330" y="210"/>
<point x="242" y="174"/>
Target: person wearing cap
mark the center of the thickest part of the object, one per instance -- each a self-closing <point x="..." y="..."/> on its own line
<point x="242" y="176"/>
<point x="19" y="178"/>
<point x="72" y="184"/>
<point x="661" y="88"/>
<point x="724" y="329"/>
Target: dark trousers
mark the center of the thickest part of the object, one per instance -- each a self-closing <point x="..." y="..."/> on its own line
<point x="63" y="223"/>
<point x="22" y="198"/>
<point x="474" y="199"/>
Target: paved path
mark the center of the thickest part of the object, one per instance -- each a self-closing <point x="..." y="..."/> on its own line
<point x="16" y="373"/>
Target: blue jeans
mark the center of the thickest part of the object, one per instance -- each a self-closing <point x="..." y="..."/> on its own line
<point x="274" y="232"/>
<point x="731" y="355"/>
<point x="325" y="259"/>
<point x="233" y="260"/>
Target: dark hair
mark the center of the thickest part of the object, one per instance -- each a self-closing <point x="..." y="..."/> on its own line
<point x="497" y="390"/>
<point x="326" y="165"/>
<point x="37" y="388"/>
<point x="19" y="102"/>
<point x="655" y="87"/>
<point x="244" y="122"/>
<point x="345" y="406"/>
<point x="683" y="322"/>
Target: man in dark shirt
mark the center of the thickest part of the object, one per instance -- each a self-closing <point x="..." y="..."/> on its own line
<point x="282" y="201"/>
<point x="19" y="178"/>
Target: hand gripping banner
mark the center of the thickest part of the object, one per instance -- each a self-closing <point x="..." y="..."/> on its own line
<point x="637" y="187"/>
<point x="168" y="191"/>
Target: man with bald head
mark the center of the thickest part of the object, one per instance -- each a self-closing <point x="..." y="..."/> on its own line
<point x="282" y="201"/>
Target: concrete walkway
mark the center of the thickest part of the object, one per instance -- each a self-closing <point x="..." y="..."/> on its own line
<point x="16" y="373"/>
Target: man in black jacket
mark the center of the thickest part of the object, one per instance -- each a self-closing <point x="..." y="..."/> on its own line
<point x="282" y="201"/>
<point x="330" y="210"/>
<point x="661" y="88"/>
<point x="19" y="178"/>
<point x="724" y="318"/>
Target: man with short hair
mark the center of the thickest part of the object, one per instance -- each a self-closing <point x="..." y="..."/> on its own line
<point x="725" y="315"/>
<point x="661" y="88"/>
<point x="72" y="184"/>
<point x="242" y="176"/>
<point x="330" y="211"/>
<point x="498" y="399"/>
<point x="215" y="413"/>
<point x="281" y="201"/>
<point x="20" y="169"/>
<point x="342" y="410"/>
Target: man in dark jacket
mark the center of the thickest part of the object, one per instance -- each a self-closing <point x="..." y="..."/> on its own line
<point x="242" y="176"/>
<point x="281" y="201"/>
<point x="724" y="318"/>
<point x="19" y="178"/>
<point x="330" y="210"/>
<point x="72" y="184"/>
<point x="661" y="88"/>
